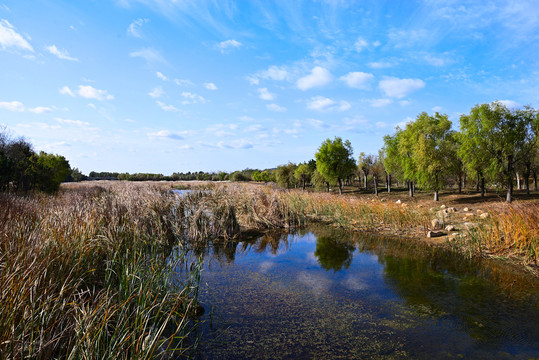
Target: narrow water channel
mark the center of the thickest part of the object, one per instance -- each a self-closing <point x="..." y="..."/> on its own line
<point x="329" y="294"/>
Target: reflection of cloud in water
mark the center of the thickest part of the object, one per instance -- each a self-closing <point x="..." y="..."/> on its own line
<point x="318" y="283"/>
<point x="265" y="266"/>
<point x="311" y="258"/>
<point x="308" y="238"/>
<point x="354" y="283"/>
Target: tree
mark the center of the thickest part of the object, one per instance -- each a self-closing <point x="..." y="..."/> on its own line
<point x="506" y="138"/>
<point x="392" y="160"/>
<point x="285" y="175"/>
<point x="430" y="143"/>
<point x="377" y="169"/>
<point x="334" y="160"/>
<point x="303" y="173"/>
<point x="365" y="163"/>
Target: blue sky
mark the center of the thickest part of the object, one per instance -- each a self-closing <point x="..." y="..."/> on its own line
<point x="186" y="85"/>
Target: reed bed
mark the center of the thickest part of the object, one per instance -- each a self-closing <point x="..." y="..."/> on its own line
<point x="87" y="275"/>
<point x="512" y="231"/>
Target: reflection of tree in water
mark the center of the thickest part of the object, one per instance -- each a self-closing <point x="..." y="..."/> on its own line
<point x="333" y="254"/>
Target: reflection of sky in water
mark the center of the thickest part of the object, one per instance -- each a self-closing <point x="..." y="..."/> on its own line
<point x="276" y="298"/>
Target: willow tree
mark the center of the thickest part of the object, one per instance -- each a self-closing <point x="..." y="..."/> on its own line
<point x="431" y="144"/>
<point x="334" y="160"/>
<point x="503" y="138"/>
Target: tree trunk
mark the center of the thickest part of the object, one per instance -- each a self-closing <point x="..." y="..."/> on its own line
<point x="389" y="183"/>
<point x="436" y="197"/>
<point x="327" y="186"/>
<point x="509" y="197"/>
<point x="340" y="185"/>
<point x="527" y="178"/>
<point x="365" y="181"/>
<point x="460" y="183"/>
<point x="477" y="184"/>
<point x="464" y="181"/>
<point x="375" y="185"/>
<point x="482" y="187"/>
<point x="303" y="185"/>
<point x="535" y="179"/>
<point x="519" y="185"/>
<point x="411" y="188"/>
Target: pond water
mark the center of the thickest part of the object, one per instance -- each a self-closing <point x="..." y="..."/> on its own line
<point x="329" y="294"/>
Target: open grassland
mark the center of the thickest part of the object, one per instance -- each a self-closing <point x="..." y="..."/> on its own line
<point x="86" y="274"/>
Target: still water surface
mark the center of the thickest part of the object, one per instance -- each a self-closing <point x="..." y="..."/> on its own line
<point x="329" y="294"/>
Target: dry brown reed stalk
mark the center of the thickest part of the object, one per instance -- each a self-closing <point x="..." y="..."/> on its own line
<point x="511" y="231"/>
<point x="84" y="274"/>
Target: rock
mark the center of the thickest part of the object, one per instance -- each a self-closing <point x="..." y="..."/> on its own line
<point x="466" y="209"/>
<point x="483" y="215"/>
<point x="450" y="228"/>
<point x="469" y="214"/>
<point x="398" y="201"/>
<point x="451" y="210"/>
<point x="442" y="207"/>
<point x="479" y="211"/>
<point x="455" y="234"/>
<point x="469" y="225"/>
<point x="432" y="234"/>
<point x="436" y="224"/>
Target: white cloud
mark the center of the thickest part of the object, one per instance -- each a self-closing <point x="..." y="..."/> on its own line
<point x="224" y="46"/>
<point x="89" y="92"/>
<point x="399" y="88"/>
<point x="381" y="124"/>
<point x="264" y="94"/>
<point x="165" y="134"/>
<point x="67" y="91"/>
<point x="360" y="44"/>
<point x="510" y="104"/>
<point x="156" y="92"/>
<point x="437" y="61"/>
<point x="16" y="106"/>
<point x="72" y="122"/>
<point x="183" y="82"/>
<point x="9" y="38"/>
<point x="379" y="64"/>
<point x="161" y="76"/>
<point x="437" y="109"/>
<point x="318" y="124"/>
<point x="148" y="54"/>
<point x="61" y="54"/>
<point x="135" y="26"/>
<point x="272" y="73"/>
<point x="40" y="110"/>
<point x="320" y="103"/>
<point x="380" y="102"/>
<point x="192" y="98"/>
<point x="235" y="144"/>
<point x="275" y="107"/>
<point x="166" y="107"/>
<point x="403" y="123"/>
<point x="210" y="86"/>
<point x="318" y="77"/>
<point x="357" y="79"/>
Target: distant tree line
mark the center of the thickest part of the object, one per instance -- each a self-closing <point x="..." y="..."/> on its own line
<point x="495" y="145"/>
<point x="22" y="169"/>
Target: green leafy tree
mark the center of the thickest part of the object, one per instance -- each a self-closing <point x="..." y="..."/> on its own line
<point x="334" y="160"/>
<point x="365" y="163"/>
<point x="431" y="141"/>
<point x="303" y="174"/>
<point x="391" y="158"/>
<point x="285" y="175"/>
<point x="505" y="137"/>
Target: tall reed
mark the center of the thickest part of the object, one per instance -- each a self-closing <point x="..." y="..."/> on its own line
<point x="85" y="275"/>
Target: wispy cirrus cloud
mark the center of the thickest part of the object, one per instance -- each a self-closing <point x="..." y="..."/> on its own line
<point x="264" y="94"/>
<point x="134" y="29"/>
<point x="166" y="134"/>
<point x="87" y="92"/>
<point x="156" y="92"/>
<point x="11" y="39"/>
<point x="275" y="107"/>
<point x="60" y="54"/>
<point x="210" y="86"/>
<point x="167" y="107"/>
<point x="151" y="55"/>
